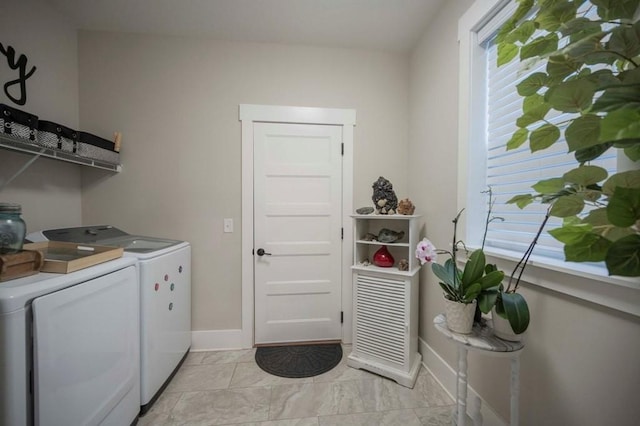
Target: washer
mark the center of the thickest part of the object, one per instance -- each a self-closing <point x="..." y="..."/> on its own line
<point x="71" y="347"/>
<point x="165" y="299"/>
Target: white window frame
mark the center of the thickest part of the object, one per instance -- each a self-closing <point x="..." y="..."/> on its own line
<point x="582" y="281"/>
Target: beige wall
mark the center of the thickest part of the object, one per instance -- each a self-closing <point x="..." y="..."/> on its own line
<point x="176" y="102"/>
<point x="580" y="363"/>
<point x="49" y="191"/>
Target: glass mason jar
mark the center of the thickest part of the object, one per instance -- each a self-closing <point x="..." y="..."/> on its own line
<point x="12" y="228"/>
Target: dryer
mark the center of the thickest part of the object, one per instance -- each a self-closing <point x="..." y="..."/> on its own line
<point x="165" y="298"/>
<point x="70" y="347"/>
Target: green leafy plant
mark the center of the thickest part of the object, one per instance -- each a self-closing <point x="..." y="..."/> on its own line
<point x="464" y="285"/>
<point x="592" y="72"/>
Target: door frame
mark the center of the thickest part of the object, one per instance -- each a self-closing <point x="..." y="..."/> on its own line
<point x="294" y="115"/>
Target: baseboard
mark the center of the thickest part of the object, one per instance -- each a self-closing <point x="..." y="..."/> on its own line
<point x="216" y="340"/>
<point x="446" y="376"/>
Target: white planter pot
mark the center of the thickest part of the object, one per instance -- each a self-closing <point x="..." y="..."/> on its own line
<point x="502" y="328"/>
<point x="460" y="316"/>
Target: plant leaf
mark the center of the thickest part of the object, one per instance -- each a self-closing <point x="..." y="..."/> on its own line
<point x="583" y="132"/>
<point x="506" y="53"/>
<point x="558" y="67"/>
<point x="521" y="33"/>
<point x="492" y="279"/>
<point x="517" y="139"/>
<point x="539" y="46"/>
<point x="550" y="19"/>
<point x="587" y="154"/>
<point x="579" y="28"/>
<point x="517" y="310"/>
<point x="623" y="257"/>
<point x="449" y="292"/>
<point x="524" y="6"/>
<point x="474" y="269"/>
<point x="534" y="108"/>
<point x="633" y="152"/>
<point x="522" y="200"/>
<point x="445" y="275"/>
<point x="625" y="40"/>
<point x="532" y="84"/>
<point x="619" y="97"/>
<point x="569" y="205"/>
<point x="486" y="300"/>
<point x="571" y="234"/>
<point x="597" y="218"/>
<point x="628" y="179"/>
<point x="571" y="220"/>
<point x="630" y="76"/>
<point x="472" y="292"/>
<point x="616" y="9"/>
<point x="585" y="175"/>
<point x="623" y="209"/>
<point x="604" y="79"/>
<point x="620" y="124"/>
<point x="543" y="137"/>
<point x="587" y="47"/>
<point x="591" y="248"/>
<point x="549" y="186"/>
<point x="572" y="96"/>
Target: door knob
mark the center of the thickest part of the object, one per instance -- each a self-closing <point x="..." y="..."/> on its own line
<point x="261" y="252"/>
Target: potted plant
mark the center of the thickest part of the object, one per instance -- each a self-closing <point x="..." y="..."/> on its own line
<point x="461" y="287"/>
<point x="509" y="309"/>
<point x="592" y="55"/>
<point x="481" y="281"/>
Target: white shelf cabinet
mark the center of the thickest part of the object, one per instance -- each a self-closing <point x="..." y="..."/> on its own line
<point x="385" y="301"/>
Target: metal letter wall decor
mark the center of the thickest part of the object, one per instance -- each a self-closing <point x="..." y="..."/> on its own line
<point x="20" y="65"/>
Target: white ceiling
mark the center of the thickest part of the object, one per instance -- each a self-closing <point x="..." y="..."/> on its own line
<point x="371" y="24"/>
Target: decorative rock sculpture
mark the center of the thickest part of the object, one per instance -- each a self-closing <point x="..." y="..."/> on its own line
<point x="406" y="207"/>
<point x="369" y="237"/>
<point x="389" y="236"/>
<point x="364" y="210"/>
<point x="384" y="198"/>
<point x="403" y="265"/>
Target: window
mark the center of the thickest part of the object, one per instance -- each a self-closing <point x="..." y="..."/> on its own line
<point x="513" y="172"/>
<point x="488" y="108"/>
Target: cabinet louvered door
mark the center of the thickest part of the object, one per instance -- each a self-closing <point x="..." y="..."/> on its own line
<point x="381" y="319"/>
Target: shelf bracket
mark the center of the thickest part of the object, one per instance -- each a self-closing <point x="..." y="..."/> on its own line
<point x="22" y="169"/>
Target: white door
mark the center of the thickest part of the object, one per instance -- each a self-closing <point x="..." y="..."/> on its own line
<point x="297" y="222"/>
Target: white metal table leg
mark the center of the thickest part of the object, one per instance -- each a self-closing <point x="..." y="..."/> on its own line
<point x="515" y="389"/>
<point x="461" y="397"/>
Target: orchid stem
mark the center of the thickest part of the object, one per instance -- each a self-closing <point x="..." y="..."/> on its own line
<point x="525" y="257"/>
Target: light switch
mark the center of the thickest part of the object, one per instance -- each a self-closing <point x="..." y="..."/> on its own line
<point x="228" y="225"/>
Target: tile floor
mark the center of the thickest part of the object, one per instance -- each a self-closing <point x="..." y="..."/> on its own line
<point x="228" y="388"/>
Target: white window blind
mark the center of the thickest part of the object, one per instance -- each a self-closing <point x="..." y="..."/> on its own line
<point x="513" y="172"/>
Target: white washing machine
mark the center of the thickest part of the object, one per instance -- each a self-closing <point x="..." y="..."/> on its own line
<point x="165" y="299"/>
<point x="70" y="347"/>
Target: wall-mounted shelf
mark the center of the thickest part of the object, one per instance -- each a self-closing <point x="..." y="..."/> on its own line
<point x="21" y="145"/>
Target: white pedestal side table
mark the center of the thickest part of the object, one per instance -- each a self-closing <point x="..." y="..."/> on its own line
<point x="482" y="340"/>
